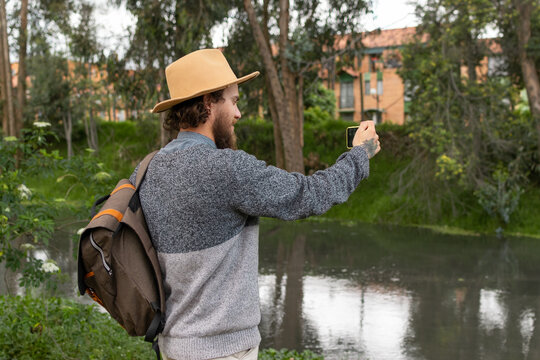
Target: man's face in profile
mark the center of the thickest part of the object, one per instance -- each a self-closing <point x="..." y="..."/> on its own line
<point x="226" y="116"/>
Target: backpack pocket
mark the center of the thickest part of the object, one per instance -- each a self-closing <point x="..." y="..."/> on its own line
<point x="97" y="263"/>
<point x="135" y="282"/>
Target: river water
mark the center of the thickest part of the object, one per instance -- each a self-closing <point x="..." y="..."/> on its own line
<point x="383" y="292"/>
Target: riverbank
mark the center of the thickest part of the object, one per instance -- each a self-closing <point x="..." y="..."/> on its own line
<point x="387" y="196"/>
<point x="377" y="200"/>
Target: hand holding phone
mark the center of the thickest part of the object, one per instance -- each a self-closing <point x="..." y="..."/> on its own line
<point x="364" y="135"/>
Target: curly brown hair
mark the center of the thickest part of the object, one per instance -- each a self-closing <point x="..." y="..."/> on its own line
<point x="190" y="113"/>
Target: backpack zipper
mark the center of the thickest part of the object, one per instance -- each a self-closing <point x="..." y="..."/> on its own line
<point x="96" y="246"/>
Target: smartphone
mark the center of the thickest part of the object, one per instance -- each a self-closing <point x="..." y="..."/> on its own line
<point x="349" y="135"/>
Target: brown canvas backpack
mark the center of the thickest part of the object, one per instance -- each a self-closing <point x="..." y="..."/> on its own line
<point x="117" y="264"/>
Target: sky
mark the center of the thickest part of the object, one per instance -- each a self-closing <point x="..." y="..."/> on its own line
<point x="114" y="23"/>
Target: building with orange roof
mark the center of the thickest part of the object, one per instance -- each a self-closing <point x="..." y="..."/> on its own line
<point x="372" y="87"/>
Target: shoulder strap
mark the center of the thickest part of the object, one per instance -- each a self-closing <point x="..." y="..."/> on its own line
<point x="141" y="172"/>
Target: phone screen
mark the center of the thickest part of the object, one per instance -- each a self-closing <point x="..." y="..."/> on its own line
<point x="350" y="135"/>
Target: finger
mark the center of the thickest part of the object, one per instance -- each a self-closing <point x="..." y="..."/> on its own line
<point x="364" y="125"/>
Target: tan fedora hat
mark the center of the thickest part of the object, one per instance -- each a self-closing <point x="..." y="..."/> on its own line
<point x="198" y="73"/>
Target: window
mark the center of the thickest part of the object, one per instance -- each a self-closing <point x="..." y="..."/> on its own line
<point x="367" y="83"/>
<point x="392" y="60"/>
<point x="496" y="66"/>
<point x="374" y="59"/>
<point x="346" y="97"/>
<point x="347" y="116"/>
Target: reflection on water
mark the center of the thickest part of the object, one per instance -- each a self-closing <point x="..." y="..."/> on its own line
<point x="379" y="292"/>
<point x="369" y="321"/>
<point x="376" y="292"/>
<point x="492" y="311"/>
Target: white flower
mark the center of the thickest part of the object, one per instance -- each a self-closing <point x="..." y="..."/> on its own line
<point x="80" y="231"/>
<point x="24" y="191"/>
<point x="27" y="246"/>
<point x="41" y="124"/>
<point x="49" y="267"/>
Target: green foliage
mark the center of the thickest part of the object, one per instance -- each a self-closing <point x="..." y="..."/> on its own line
<point x="316" y="115"/>
<point x="27" y="217"/>
<point x="500" y="197"/>
<point x="256" y="136"/>
<point x="37" y="328"/>
<point x="49" y="93"/>
<point x="55" y="328"/>
<point x="284" y="354"/>
<point x="317" y="95"/>
<point x="462" y="126"/>
<point x="324" y="141"/>
<point x="84" y="175"/>
<point x="36" y="184"/>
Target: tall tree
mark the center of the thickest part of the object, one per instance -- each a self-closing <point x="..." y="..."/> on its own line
<point x="519" y="24"/>
<point x="285" y="74"/>
<point x="53" y="87"/>
<point x="85" y="49"/>
<point x="21" y="76"/>
<point x="6" y="69"/>
<point x="165" y="31"/>
<point x="465" y="132"/>
<point x="528" y="67"/>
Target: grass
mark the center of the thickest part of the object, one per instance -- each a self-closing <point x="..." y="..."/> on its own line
<point x="374" y="201"/>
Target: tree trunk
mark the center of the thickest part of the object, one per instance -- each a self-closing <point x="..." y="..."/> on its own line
<point x="93" y="130"/>
<point x="5" y="122"/>
<point x="292" y="149"/>
<point x="528" y="67"/>
<point x="68" y="126"/>
<point x="21" y="76"/>
<point x="108" y="105"/>
<point x="278" y="140"/>
<point x="165" y="135"/>
<point x="287" y="75"/>
<point x="301" y="109"/>
<point x="7" y="71"/>
<point x="87" y="131"/>
<point x="91" y="127"/>
<point x="114" y="108"/>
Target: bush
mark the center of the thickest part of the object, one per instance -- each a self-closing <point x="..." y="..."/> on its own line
<point x="36" y="328"/>
<point x="55" y="328"/>
<point x="26" y="217"/>
<point x="256" y="136"/>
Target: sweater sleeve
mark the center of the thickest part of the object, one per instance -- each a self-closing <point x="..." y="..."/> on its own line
<point x="261" y="190"/>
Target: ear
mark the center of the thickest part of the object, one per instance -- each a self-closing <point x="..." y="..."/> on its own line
<point x="207" y="102"/>
<point x="209" y="105"/>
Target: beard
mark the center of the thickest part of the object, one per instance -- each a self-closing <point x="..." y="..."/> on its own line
<point x="224" y="136"/>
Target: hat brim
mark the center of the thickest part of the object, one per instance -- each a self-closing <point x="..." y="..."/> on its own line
<point x="167" y="104"/>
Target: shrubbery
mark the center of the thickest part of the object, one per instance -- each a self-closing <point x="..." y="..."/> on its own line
<point x="54" y="328"/>
<point x="36" y="328"/>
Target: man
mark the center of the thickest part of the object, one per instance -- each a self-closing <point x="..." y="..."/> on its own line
<point x="202" y="200"/>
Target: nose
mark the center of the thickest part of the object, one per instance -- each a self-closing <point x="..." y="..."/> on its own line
<point x="237" y="114"/>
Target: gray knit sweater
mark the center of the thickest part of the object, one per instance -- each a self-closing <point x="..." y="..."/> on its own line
<point x="202" y="206"/>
